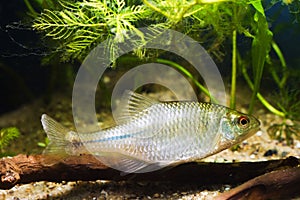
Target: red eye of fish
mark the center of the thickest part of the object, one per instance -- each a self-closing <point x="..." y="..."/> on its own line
<point x="243" y="121"/>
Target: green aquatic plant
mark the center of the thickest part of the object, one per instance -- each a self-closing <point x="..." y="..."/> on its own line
<point x="44" y="144"/>
<point x="285" y="131"/>
<point x="6" y="137"/>
<point x="288" y="102"/>
<point x="78" y="26"/>
<point x="81" y="25"/>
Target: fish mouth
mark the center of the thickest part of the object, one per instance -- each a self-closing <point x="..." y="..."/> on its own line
<point x="248" y="134"/>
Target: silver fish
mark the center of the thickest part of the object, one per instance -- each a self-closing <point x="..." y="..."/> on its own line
<point x="152" y="134"/>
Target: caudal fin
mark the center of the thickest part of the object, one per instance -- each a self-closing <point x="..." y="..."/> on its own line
<point x="55" y="151"/>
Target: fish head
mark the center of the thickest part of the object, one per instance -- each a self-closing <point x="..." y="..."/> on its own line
<point x="237" y="126"/>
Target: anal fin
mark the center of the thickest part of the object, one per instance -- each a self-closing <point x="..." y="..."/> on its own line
<point x="128" y="164"/>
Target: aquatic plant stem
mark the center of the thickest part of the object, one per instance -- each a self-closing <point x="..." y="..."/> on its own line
<point x="32" y="12"/>
<point x="180" y="68"/>
<point x="260" y="97"/>
<point x="280" y="82"/>
<point x="188" y="74"/>
<point x="233" y="72"/>
<point x="279" y="54"/>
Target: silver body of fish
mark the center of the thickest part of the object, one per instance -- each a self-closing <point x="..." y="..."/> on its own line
<point x="152" y="134"/>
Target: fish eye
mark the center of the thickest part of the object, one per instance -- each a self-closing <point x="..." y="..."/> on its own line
<point x="243" y="121"/>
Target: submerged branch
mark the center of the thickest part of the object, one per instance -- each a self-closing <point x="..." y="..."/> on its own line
<point x="25" y="169"/>
<point x="280" y="184"/>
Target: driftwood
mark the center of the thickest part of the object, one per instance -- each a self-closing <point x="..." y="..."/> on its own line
<point x="280" y="184"/>
<point x="26" y="169"/>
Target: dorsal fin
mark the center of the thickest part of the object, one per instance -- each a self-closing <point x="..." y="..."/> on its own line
<point x="132" y="106"/>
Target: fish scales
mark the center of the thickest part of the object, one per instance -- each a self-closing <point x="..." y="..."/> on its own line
<point x="154" y="134"/>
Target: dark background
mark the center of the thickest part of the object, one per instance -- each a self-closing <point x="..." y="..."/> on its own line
<point x="24" y="78"/>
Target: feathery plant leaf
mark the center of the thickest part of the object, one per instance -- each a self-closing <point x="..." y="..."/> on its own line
<point x="79" y="26"/>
